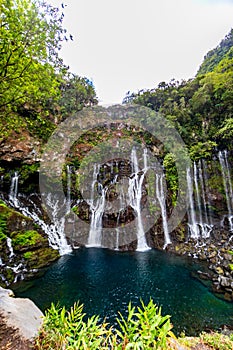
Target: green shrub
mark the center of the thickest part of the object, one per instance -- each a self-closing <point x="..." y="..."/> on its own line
<point x="144" y="328"/>
<point x="64" y="329"/>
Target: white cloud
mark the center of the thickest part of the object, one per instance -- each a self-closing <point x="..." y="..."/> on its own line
<point x="130" y="45"/>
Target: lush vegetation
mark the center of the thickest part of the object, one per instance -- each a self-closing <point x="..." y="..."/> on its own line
<point x="144" y="328"/>
<point x="213" y="57"/>
<point x="34" y="82"/>
<point x="201" y="108"/>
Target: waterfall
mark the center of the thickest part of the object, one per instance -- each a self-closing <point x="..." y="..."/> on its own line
<point x="9" y="245"/>
<point x="145" y="159"/>
<point x="14" y="189"/>
<point x="223" y="159"/>
<point x="162" y="202"/>
<point x="54" y="230"/>
<point x="204" y="190"/>
<point x="193" y="226"/>
<point x="197" y="194"/>
<point x="204" y="227"/>
<point x="68" y="199"/>
<point x="206" y="223"/>
<point x="97" y="210"/>
<point x="135" y="196"/>
<point x="199" y="227"/>
<point x="117" y="239"/>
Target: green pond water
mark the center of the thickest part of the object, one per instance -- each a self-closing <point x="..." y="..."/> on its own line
<point x="105" y="281"/>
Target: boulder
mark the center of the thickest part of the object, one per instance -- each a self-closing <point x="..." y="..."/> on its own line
<point x="20" y="314"/>
<point x="224" y="281"/>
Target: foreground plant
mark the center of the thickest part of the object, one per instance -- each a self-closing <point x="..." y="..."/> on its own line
<point x="144" y="328"/>
<point x="64" y="329"/>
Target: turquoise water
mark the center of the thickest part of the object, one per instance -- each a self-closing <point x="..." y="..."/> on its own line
<point x="105" y="281"/>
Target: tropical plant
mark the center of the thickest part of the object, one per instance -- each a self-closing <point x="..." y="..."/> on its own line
<point x="144" y="328"/>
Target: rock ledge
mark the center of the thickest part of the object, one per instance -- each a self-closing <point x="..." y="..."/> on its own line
<point x="21" y="314"/>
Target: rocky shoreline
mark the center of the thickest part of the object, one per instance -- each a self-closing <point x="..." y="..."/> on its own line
<point x="217" y="252"/>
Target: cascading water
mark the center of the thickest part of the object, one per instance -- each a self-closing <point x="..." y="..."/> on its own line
<point x="199" y="224"/>
<point x="54" y="230"/>
<point x="162" y="202"/>
<point x="205" y="192"/>
<point x="9" y="245"/>
<point x="68" y="197"/>
<point x="10" y="264"/>
<point x="223" y="159"/>
<point x="14" y="190"/>
<point x="135" y="196"/>
<point x="205" y="227"/>
<point x="197" y="195"/>
<point x="96" y="204"/>
<point x="192" y="224"/>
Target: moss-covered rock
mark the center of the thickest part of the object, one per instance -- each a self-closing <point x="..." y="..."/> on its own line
<point x="40" y="258"/>
<point x="22" y="241"/>
<point x="24" y="248"/>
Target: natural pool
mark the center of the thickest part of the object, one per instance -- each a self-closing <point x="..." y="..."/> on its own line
<point x="105" y="281"/>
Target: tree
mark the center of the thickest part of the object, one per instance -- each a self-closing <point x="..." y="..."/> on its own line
<point x="30" y="39"/>
<point x="76" y="93"/>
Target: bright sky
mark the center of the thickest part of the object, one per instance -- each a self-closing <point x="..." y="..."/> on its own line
<point x="128" y="45"/>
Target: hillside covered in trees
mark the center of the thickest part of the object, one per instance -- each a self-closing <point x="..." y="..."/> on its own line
<point x="200" y="108"/>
